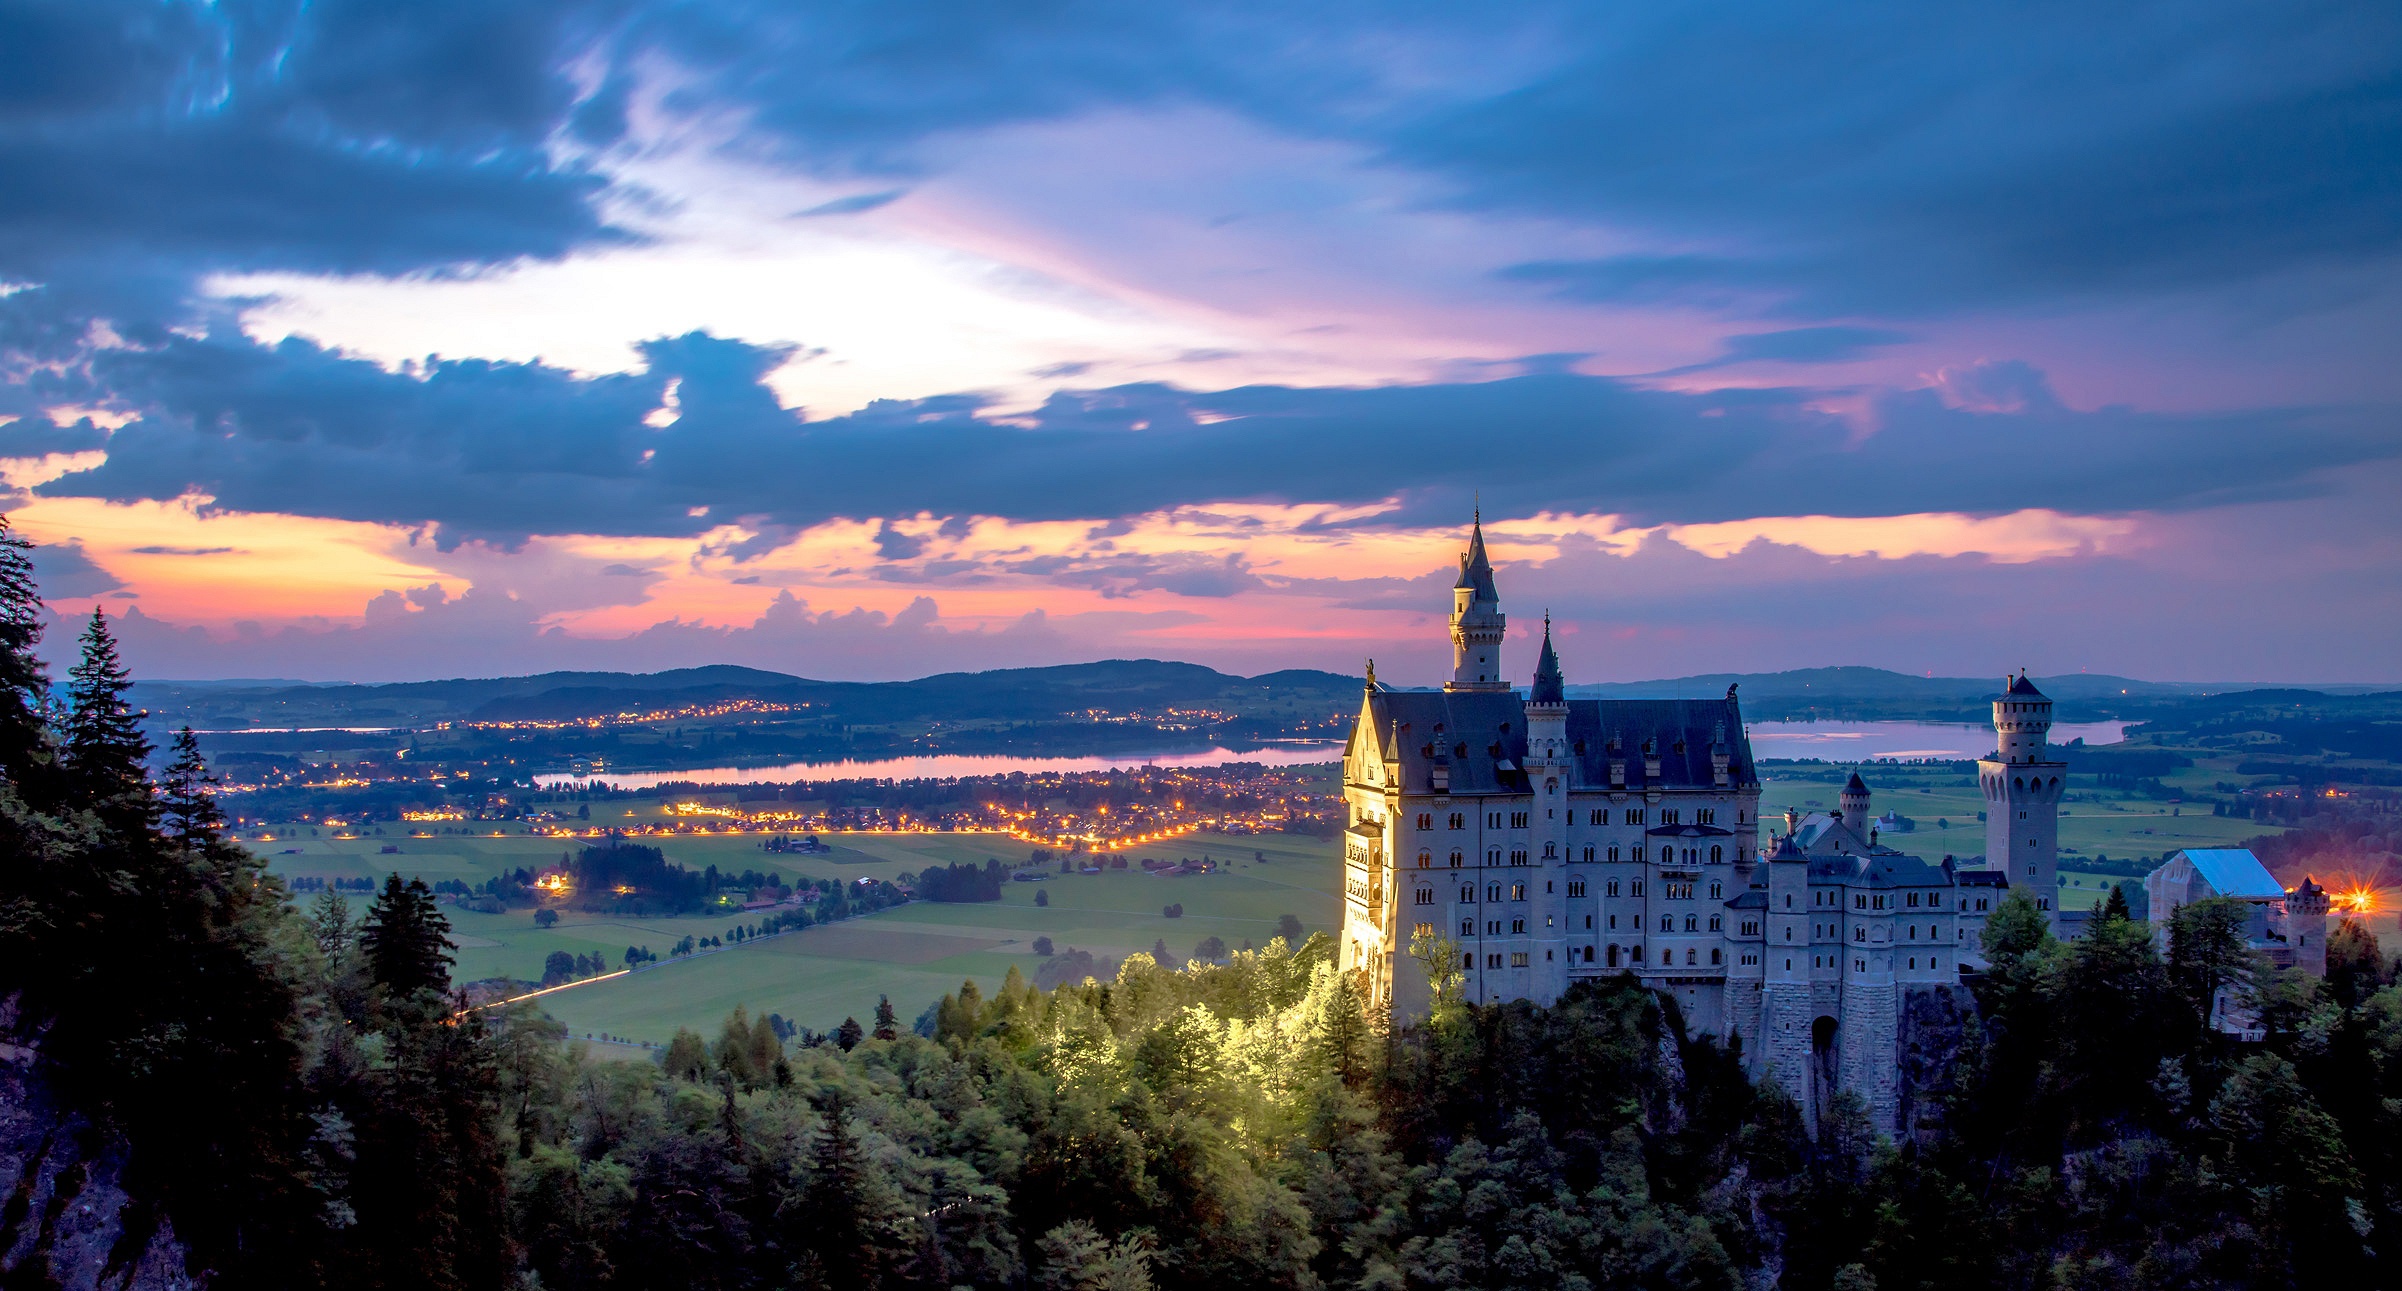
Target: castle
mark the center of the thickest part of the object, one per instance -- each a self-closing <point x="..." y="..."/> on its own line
<point x="1542" y="840"/>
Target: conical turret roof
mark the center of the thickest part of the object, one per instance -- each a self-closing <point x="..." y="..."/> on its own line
<point x="1550" y="687"/>
<point x="2024" y="687"/>
<point x="1476" y="569"/>
<point x="1856" y="786"/>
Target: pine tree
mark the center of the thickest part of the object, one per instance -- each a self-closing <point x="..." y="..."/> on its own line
<point x="25" y="753"/>
<point x="104" y="749"/>
<point x="192" y="817"/>
<point x="407" y="940"/>
<point x="848" y="1229"/>
<point x="2115" y="907"/>
<point x="888" y="1023"/>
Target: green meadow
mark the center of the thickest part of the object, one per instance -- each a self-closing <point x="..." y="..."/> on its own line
<point x="819" y="976"/>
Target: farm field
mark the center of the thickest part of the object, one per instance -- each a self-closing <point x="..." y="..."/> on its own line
<point x="2092" y="823"/>
<point x="915" y="953"/>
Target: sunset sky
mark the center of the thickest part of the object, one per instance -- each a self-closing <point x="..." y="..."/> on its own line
<point x="458" y="337"/>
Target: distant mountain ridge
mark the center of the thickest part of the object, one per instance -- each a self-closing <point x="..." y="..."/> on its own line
<point x="1114" y="686"/>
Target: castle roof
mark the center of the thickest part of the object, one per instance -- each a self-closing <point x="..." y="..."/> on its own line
<point x="2025" y="688"/>
<point x="2234" y="872"/>
<point x="1476" y="569"/>
<point x="1885" y="868"/>
<point x="1480" y="738"/>
<point x="1549" y="687"/>
<point x="1857" y="785"/>
<point x="1748" y="899"/>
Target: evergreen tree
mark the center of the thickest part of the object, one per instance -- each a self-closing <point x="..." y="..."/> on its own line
<point x="888" y="1023"/>
<point x="25" y="752"/>
<point x="407" y="940"/>
<point x="192" y="816"/>
<point x="2116" y="906"/>
<point x="849" y="1034"/>
<point x="848" y="1230"/>
<point x="104" y="748"/>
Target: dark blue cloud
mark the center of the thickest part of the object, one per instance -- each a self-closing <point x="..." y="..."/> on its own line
<point x="146" y="143"/>
<point x="499" y="452"/>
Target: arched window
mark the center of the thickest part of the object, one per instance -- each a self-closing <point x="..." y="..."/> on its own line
<point x="1717" y="854"/>
<point x="1426" y="860"/>
<point x="1714" y="957"/>
<point x="1426" y="896"/>
<point x="1456" y="858"/>
<point x="1667" y="854"/>
<point x="1613" y="957"/>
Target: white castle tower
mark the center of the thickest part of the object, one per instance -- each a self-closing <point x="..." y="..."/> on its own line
<point x="2022" y="796"/>
<point x="1477" y="623"/>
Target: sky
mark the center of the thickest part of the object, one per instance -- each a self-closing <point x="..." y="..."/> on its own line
<point x="359" y="341"/>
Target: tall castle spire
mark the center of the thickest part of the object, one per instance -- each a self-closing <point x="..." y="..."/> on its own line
<point x="1477" y="623"/>
<point x="1550" y="687"/>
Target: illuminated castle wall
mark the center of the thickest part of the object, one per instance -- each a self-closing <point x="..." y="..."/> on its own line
<point x="1536" y="840"/>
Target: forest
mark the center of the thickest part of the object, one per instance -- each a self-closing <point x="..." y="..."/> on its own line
<point x="258" y="1092"/>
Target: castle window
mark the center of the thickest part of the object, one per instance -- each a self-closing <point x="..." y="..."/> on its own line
<point x="1934" y="963"/>
<point x="1588" y="851"/>
<point x="1492" y="961"/>
<point x="1493" y="892"/>
<point x="1600" y="817"/>
<point x="1706" y="816"/>
<point x="1668" y="815"/>
<point x="1426" y="860"/>
<point x="1667" y="854"/>
<point x="1517" y="892"/>
<point x="1493" y="820"/>
<point x="1613" y="851"/>
<point x="1634" y="815"/>
<point x="1550" y="851"/>
<point x="1859" y="901"/>
<point x="1715" y="956"/>
<point x="1518" y="927"/>
<point x="1613" y="887"/>
<point x="1455" y="860"/>
<point x="1493" y="929"/>
<point x="1588" y="923"/>
<point x="1576" y="887"/>
<point x="1467" y="927"/>
<point x="1426" y="820"/>
<point x="1667" y="923"/>
<point x="1518" y="959"/>
<point x="1517" y="820"/>
<point x="1913" y="961"/>
<point x="1717" y="854"/>
<point x="1717" y="923"/>
<point x="1637" y="952"/>
<point x="1859" y="965"/>
<point x="1423" y="930"/>
<point x="1459" y="820"/>
<point x="1913" y="932"/>
<point x="1859" y="934"/>
<point x="1613" y="923"/>
<point x="1689" y="955"/>
<point x="1788" y="963"/>
<point x="1493" y="857"/>
<point x="1689" y="924"/>
<point x="1788" y="900"/>
<point x="1426" y="896"/>
<point x="1468" y="894"/>
<point x="1637" y="887"/>
<point x="1613" y="958"/>
<point x="1588" y="954"/>
<point x="1468" y="960"/>
<point x="1717" y="889"/>
<point x="1518" y="856"/>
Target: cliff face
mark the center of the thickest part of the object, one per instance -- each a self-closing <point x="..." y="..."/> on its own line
<point x="1934" y="1028"/>
<point x="65" y="1218"/>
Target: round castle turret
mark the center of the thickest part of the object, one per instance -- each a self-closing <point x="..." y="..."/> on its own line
<point x="2022" y="721"/>
<point x="1477" y="623"/>
<point x="1854" y="802"/>
<point x="2306" y="926"/>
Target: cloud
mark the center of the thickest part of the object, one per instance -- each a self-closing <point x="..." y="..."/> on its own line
<point x="856" y="204"/>
<point x="502" y="452"/>
<point x="66" y="572"/>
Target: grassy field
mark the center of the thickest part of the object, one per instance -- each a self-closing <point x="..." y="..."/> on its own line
<point x="820" y="976"/>
<point x="2092" y="823"/>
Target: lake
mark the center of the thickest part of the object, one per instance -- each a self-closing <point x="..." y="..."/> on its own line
<point x="1905" y="741"/>
<point x="1831" y="741"/>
